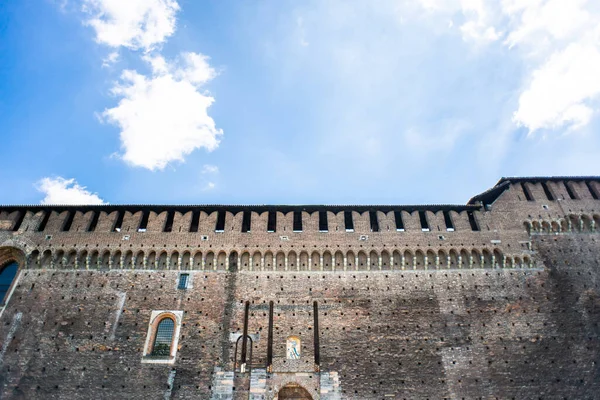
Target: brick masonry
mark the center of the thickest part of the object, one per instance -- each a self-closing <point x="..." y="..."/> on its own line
<point x="515" y="316"/>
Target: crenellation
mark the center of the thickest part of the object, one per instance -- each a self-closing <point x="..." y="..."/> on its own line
<point x="81" y="221"/>
<point x="233" y="222"/>
<point x="259" y="224"/>
<point x="411" y="221"/>
<point x="131" y="221"/>
<point x="56" y="221"/>
<point x="156" y="221"/>
<point x="106" y="221"/>
<point x="285" y="223"/>
<point x="8" y="220"/>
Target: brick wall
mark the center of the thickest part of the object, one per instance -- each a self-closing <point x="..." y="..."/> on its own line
<point x="523" y="331"/>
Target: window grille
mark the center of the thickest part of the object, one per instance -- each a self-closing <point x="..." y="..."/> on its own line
<point x="183" y="281"/>
<point x="163" y="338"/>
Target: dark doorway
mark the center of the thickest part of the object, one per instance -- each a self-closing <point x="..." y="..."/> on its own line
<point x="293" y="392"/>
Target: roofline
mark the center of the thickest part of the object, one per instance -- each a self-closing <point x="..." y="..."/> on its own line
<point x="491" y="195"/>
<point x="547" y="178"/>
<point x="209" y="208"/>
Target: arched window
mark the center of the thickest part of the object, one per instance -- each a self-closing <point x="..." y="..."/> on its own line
<point x="163" y="337"/>
<point x="7" y="274"/>
<point x="294" y="348"/>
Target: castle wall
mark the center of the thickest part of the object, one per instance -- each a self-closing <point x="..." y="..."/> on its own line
<point x="507" y="311"/>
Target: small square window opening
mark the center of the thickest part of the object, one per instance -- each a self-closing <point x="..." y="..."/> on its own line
<point x="183" y="281"/>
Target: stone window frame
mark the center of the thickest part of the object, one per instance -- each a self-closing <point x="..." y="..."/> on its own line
<point x="155" y="318"/>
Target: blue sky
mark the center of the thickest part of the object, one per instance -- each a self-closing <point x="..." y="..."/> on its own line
<point x="293" y="102"/>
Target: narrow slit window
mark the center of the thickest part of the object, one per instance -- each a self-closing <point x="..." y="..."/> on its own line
<point x="183" y="281"/>
<point x="42" y="225"/>
<point x="68" y="221"/>
<point x="448" y="221"/>
<point x="473" y="221"/>
<point x="374" y="222"/>
<point x="272" y="221"/>
<point x="570" y="191"/>
<point x="348" y="222"/>
<point x="399" y="221"/>
<point x="297" y="221"/>
<point x="220" y="226"/>
<point x="323" y="225"/>
<point x="118" y="222"/>
<point x="592" y="190"/>
<point x="144" y="222"/>
<point x="195" y="221"/>
<point x="94" y="222"/>
<point x="19" y="221"/>
<point x="526" y="191"/>
<point x="548" y="192"/>
<point x="163" y="338"/>
<point x="424" y="222"/>
<point x="246" y="221"/>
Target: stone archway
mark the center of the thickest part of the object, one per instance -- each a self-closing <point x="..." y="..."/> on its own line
<point x="292" y="391"/>
<point x="11" y="260"/>
<point x="11" y="254"/>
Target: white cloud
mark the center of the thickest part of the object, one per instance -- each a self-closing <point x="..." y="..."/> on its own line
<point x="164" y="117"/>
<point x="132" y="23"/>
<point x="196" y="69"/>
<point x="476" y="14"/>
<point x="209" y="186"/>
<point x="477" y="25"/>
<point x="535" y="21"/>
<point x="112" y="58"/>
<point x="561" y="89"/>
<point x="210" y="169"/>
<point x="66" y="191"/>
<point x="559" y="42"/>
